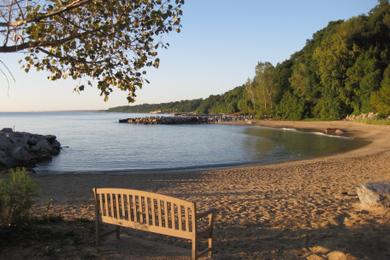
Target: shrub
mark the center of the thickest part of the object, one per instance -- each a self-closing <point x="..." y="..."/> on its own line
<point x="16" y="197"/>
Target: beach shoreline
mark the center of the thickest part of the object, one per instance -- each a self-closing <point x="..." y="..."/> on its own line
<point x="277" y="210"/>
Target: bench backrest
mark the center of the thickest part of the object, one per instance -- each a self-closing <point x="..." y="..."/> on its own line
<point x="146" y="211"/>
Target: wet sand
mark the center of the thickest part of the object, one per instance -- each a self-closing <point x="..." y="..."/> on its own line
<point x="290" y="210"/>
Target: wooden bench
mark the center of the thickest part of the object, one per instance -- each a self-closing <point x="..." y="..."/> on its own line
<point x="152" y="212"/>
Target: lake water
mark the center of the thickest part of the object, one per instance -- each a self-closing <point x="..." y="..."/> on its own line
<point x="95" y="141"/>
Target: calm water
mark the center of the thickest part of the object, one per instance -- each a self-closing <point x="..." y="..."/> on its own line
<point x="96" y="141"/>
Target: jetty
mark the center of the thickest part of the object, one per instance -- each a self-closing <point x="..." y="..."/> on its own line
<point x="180" y="119"/>
<point x="166" y="120"/>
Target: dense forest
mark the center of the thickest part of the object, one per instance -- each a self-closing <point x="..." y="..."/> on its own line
<point x="344" y="69"/>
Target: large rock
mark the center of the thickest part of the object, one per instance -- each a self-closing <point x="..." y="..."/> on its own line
<point x="25" y="149"/>
<point x="334" y="131"/>
<point x="374" y="194"/>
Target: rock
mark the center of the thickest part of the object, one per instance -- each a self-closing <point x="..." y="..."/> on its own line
<point x="25" y="149"/>
<point x="374" y="194"/>
<point x="337" y="255"/>
<point x="319" y="250"/>
<point x="50" y="138"/>
<point x="7" y="130"/>
<point x="314" y="257"/>
<point x="32" y="141"/>
<point x="5" y="160"/>
<point x="5" y="143"/>
<point x="43" y="145"/>
<point x="370" y="115"/>
<point x="334" y="131"/>
<point x="19" y="153"/>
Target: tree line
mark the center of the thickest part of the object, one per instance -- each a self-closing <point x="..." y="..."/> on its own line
<point x="344" y="69"/>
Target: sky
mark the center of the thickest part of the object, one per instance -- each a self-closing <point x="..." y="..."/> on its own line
<point x="220" y="44"/>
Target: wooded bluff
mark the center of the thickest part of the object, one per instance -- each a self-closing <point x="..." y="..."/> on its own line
<point x="344" y="69"/>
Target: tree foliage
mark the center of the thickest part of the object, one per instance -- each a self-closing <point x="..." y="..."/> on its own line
<point x="290" y="107"/>
<point x="109" y="42"/>
<point x="340" y="71"/>
<point x="380" y="100"/>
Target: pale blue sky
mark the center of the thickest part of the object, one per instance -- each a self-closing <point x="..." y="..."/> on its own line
<point x="220" y="44"/>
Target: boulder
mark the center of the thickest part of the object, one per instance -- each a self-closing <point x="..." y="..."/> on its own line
<point x="20" y="153"/>
<point x="7" y="130"/>
<point x="319" y="250"/>
<point x="314" y="257"/>
<point x="338" y="255"/>
<point x="32" y="140"/>
<point x="339" y="132"/>
<point x="374" y="194"/>
<point x="334" y="131"/>
<point x="5" y="160"/>
<point x="51" y="138"/>
<point x="25" y="149"/>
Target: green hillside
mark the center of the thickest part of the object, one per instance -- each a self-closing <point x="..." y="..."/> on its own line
<point x="344" y="69"/>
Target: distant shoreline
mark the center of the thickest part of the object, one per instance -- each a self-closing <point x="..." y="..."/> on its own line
<point x="52" y="111"/>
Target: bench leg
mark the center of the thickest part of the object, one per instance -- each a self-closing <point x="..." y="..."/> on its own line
<point x="194" y="249"/>
<point x="210" y="245"/>
<point x="97" y="217"/>
<point x="118" y="232"/>
<point x="97" y="227"/>
<point x="210" y="239"/>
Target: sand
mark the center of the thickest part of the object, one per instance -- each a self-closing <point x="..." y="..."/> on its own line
<point x="293" y="210"/>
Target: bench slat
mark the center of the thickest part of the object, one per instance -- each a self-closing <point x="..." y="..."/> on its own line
<point x="135" y="209"/>
<point x="173" y="215"/>
<point x="166" y="213"/>
<point x="187" y="219"/>
<point x="106" y="203"/>
<point x="159" y="212"/>
<point x="118" y="216"/>
<point x="179" y="208"/>
<point x="141" y="212"/>
<point x="128" y="208"/>
<point x="147" y="218"/>
<point x="153" y="212"/>
<point x="123" y="206"/>
<point x="112" y="205"/>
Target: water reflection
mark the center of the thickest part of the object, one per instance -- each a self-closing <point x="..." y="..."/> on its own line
<point x="284" y="144"/>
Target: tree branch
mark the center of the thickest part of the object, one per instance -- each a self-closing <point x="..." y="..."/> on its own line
<point x="66" y="8"/>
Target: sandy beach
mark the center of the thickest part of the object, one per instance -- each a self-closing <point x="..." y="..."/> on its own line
<point x="293" y="210"/>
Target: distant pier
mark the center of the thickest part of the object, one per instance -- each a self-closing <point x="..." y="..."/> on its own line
<point x="180" y="119"/>
<point x="166" y="120"/>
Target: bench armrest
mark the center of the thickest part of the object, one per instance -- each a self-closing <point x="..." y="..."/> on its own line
<point x="205" y="213"/>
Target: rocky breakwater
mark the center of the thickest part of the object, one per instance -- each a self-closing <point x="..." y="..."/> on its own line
<point x="25" y="149"/>
<point x="166" y="120"/>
